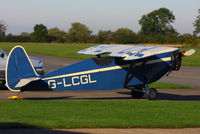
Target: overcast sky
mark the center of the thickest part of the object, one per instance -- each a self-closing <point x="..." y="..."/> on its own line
<point x="22" y="15"/>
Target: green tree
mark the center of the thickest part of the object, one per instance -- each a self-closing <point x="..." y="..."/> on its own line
<point x="124" y="35"/>
<point x="78" y="33"/>
<point x="56" y="34"/>
<point x="104" y="36"/>
<point x="197" y="25"/>
<point x="186" y="38"/>
<point x="158" y="22"/>
<point x="17" y="38"/>
<point x="40" y="33"/>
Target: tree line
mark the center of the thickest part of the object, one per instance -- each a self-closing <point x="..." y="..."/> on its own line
<point x="156" y="27"/>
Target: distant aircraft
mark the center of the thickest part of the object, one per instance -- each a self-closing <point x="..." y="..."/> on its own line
<point x="124" y="66"/>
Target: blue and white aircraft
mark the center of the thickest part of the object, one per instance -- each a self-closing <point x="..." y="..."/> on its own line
<point x="124" y="66"/>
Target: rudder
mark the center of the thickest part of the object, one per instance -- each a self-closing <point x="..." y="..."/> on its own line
<point x="19" y="69"/>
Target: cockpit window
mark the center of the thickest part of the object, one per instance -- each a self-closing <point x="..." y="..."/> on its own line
<point x="103" y="61"/>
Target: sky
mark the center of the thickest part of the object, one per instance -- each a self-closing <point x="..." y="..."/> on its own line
<point x="21" y="15"/>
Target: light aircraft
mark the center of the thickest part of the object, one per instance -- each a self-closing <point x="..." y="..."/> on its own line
<point x="124" y="66"/>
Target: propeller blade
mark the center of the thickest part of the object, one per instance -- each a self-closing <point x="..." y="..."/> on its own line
<point x="189" y="52"/>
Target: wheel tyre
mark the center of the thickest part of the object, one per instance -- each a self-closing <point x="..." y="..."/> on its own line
<point x="137" y="94"/>
<point x="151" y="94"/>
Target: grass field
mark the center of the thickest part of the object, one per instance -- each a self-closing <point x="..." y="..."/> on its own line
<point x="162" y="85"/>
<point x="69" y="51"/>
<point x="92" y="114"/>
<point x="51" y="49"/>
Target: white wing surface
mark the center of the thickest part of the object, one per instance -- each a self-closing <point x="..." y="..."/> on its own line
<point x="128" y="52"/>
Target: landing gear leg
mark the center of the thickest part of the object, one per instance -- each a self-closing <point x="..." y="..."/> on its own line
<point x="137" y="93"/>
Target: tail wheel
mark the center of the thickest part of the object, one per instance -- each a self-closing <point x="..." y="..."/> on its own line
<point x="151" y="94"/>
<point x="137" y="94"/>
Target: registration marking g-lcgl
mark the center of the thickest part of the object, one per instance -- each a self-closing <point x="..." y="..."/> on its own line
<point x="74" y="81"/>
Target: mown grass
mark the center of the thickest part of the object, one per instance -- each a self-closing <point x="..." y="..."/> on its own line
<point x="162" y="85"/>
<point x="97" y="114"/>
<point x="70" y="51"/>
<point x="51" y="49"/>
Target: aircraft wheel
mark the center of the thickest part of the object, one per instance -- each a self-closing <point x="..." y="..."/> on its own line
<point x="136" y="94"/>
<point x="151" y="94"/>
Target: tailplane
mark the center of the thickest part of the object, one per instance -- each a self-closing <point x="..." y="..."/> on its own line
<point x="19" y="69"/>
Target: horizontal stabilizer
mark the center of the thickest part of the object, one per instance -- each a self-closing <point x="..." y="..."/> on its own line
<point x="26" y="81"/>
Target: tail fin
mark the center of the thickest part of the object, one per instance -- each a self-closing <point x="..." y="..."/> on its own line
<point x="19" y="69"/>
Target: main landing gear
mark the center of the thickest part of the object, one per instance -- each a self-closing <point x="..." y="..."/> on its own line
<point x="149" y="93"/>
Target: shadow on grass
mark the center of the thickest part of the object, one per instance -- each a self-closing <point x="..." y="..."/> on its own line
<point x="81" y="98"/>
<point x="161" y="96"/>
<point x="19" y="128"/>
<point x="167" y="96"/>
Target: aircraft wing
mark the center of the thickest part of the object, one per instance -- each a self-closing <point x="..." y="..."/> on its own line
<point x="128" y="52"/>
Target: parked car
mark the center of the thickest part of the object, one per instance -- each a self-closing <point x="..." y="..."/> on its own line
<point x="37" y="63"/>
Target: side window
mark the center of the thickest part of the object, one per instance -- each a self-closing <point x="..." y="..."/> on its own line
<point x="103" y="61"/>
